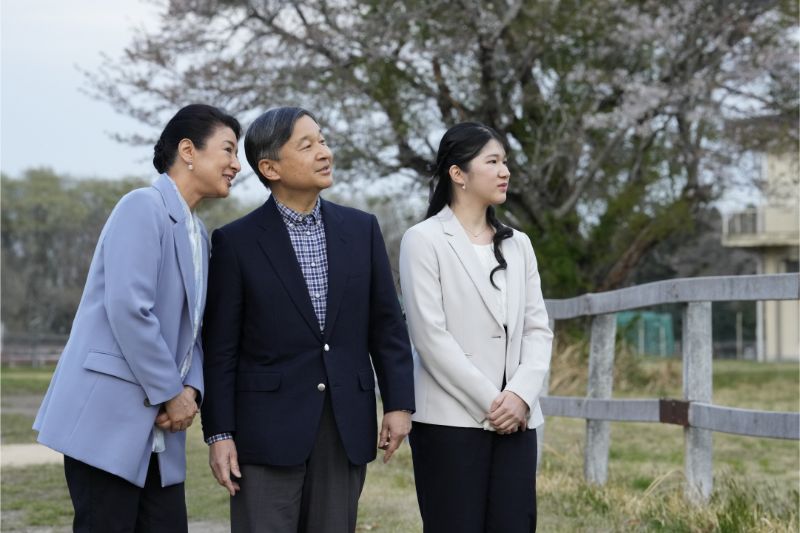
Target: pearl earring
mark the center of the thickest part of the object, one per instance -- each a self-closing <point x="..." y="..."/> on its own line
<point x="464" y="186"/>
<point x="191" y="167"/>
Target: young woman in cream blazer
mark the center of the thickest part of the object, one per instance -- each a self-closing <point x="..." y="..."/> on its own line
<point x="480" y="332"/>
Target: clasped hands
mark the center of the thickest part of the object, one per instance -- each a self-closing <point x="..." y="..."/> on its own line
<point x="508" y="413"/>
<point x="178" y="413"/>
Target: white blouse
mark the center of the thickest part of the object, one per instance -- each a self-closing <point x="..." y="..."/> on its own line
<point x="486" y="256"/>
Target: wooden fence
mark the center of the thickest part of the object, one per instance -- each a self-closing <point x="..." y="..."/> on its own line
<point x="31" y="349"/>
<point x="694" y="411"/>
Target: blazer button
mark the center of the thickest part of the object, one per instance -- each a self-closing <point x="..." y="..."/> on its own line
<point x="321" y="387"/>
<point x="326" y="348"/>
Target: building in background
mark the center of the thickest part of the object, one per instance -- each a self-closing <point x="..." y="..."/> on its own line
<point x="649" y="332"/>
<point x="773" y="230"/>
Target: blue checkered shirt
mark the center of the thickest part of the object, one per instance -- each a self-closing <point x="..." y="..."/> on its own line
<point x="307" y="233"/>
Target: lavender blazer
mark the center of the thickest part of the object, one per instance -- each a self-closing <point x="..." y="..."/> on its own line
<point x="132" y="328"/>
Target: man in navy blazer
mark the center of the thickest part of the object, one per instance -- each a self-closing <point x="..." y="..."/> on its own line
<point x="301" y="308"/>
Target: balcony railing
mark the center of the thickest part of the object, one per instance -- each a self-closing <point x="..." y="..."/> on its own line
<point x="763" y="226"/>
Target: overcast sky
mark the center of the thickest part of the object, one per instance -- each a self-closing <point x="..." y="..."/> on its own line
<point x="46" y="120"/>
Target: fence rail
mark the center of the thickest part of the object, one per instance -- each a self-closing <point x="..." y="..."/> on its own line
<point x="695" y="411"/>
<point x="685" y="290"/>
<point x="770" y="424"/>
<point x="30" y="349"/>
<point x="748" y="422"/>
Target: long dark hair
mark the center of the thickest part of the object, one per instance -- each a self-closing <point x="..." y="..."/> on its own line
<point x="459" y="146"/>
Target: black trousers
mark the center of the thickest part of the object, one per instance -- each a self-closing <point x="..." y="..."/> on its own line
<point x="474" y="481"/>
<point x="105" y="503"/>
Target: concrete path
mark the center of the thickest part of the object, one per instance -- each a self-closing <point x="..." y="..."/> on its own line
<point x="28" y="454"/>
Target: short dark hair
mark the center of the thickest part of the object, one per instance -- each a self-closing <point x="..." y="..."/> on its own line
<point x="268" y="133"/>
<point x="196" y="122"/>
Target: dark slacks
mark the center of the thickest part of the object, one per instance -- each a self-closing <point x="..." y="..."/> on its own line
<point x="105" y="503"/>
<point x="318" y="496"/>
<point x="474" y="481"/>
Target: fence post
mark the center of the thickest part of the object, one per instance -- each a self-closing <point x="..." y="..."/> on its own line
<point x="601" y="371"/>
<point x="697" y="355"/>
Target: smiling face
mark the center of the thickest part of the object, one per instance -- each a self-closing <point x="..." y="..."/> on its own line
<point x="486" y="176"/>
<point x="306" y="162"/>
<point x="216" y="164"/>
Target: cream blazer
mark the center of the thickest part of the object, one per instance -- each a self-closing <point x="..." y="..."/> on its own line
<point x="461" y="348"/>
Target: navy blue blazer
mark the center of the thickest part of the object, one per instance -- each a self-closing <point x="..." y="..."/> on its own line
<point x="265" y="356"/>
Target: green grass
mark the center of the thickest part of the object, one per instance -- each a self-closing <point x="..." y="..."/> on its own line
<point x="25" y="380"/>
<point x="755" y="480"/>
<point x="34" y="496"/>
<point x="21" y="390"/>
<point x="16" y="428"/>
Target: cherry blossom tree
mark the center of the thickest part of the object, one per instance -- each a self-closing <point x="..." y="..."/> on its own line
<point x="617" y="112"/>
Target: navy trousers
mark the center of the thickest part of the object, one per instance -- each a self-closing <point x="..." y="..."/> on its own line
<point x="474" y="481"/>
<point x="105" y="503"/>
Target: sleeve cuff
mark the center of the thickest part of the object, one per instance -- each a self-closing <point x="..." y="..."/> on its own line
<point x="216" y="438"/>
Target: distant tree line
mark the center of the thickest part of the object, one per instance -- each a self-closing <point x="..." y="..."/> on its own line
<point x="50" y="225"/>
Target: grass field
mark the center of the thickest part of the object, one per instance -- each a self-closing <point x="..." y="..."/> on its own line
<point x="756" y="480"/>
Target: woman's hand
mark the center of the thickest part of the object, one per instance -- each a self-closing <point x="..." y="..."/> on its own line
<point x="508" y="413"/>
<point x="180" y="410"/>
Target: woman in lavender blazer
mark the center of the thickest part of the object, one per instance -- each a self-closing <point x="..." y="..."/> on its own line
<point x="130" y="378"/>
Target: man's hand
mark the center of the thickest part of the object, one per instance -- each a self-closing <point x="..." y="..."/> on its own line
<point x="223" y="460"/>
<point x="180" y="410"/>
<point x="395" y="427"/>
<point x="508" y="413"/>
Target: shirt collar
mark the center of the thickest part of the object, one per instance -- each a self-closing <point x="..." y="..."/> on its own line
<point x="180" y="196"/>
<point x="290" y="216"/>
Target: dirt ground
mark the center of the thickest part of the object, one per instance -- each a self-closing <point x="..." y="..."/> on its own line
<point x="21" y="455"/>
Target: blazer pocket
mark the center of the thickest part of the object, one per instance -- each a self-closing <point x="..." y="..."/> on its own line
<point x="258" y="382"/>
<point x="111" y="364"/>
<point x="366" y="379"/>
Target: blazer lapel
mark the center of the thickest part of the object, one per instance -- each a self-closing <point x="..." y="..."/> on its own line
<point x="180" y="232"/>
<point x="338" y="258"/>
<point x="277" y="246"/>
<point x="205" y="245"/>
<point x="457" y="238"/>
